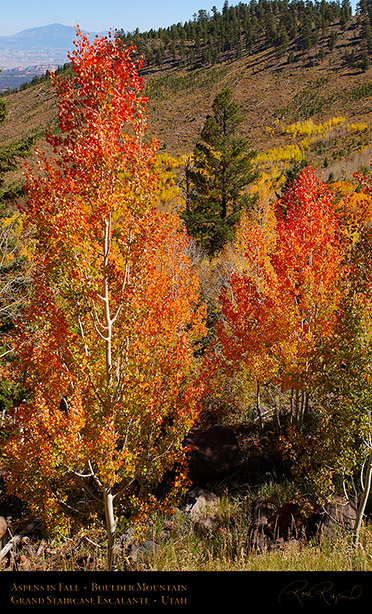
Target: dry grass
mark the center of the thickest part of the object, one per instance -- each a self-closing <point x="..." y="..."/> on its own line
<point x="174" y="545"/>
<point x="265" y="87"/>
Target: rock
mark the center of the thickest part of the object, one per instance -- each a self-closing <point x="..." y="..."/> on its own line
<point x="139" y="551"/>
<point x="258" y="470"/>
<point x="338" y="514"/>
<point x="203" y="507"/>
<point x="134" y="547"/>
<point x="272" y="526"/>
<point x="215" y="452"/>
<point x="287" y="521"/>
<point x="261" y="512"/>
<point x="3" y="527"/>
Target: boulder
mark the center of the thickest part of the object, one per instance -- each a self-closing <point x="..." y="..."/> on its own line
<point x="3" y="527"/>
<point x="203" y="506"/>
<point x="134" y="547"/>
<point x="139" y="551"/>
<point x="288" y="521"/>
<point x="257" y="470"/>
<point x="337" y="514"/>
<point x="214" y="453"/>
<point x="261" y="512"/>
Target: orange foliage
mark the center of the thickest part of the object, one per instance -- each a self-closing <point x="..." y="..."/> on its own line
<point x="115" y="312"/>
<point x="287" y="292"/>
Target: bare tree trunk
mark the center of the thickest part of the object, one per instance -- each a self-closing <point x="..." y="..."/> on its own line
<point x="16" y="539"/>
<point x="291" y="406"/>
<point x="364" y="499"/>
<point x="106" y="299"/>
<point x="297" y="409"/>
<point x="303" y="407"/>
<point x="278" y="411"/>
<point x="258" y="404"/>
<point x="108" y="499"/>
<point x="301" y="411"/>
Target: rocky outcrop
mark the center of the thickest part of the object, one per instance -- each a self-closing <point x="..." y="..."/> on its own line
<point x="257" y="470"/>
<point x="3" y="527"/>
<point x="287" y="522"/>
<point x="339" y="514"/>
<point x="203" y="507"/>
<point x="215" y="453"/>
<point x="262" y="511"/>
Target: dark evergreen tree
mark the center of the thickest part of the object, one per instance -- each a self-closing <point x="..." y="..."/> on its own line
<point x="332" y="40"/>
<point x="346" y="13"/>
<point x="365" y="61"/>
<point x="218" y="36"/>
<point x="222" y="170"/>
<point x="282" y="41"/>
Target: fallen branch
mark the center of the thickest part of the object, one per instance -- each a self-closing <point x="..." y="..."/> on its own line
<point x="16" y="539"/>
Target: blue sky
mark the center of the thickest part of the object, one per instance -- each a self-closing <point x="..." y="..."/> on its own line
<point x="98" y="15"/>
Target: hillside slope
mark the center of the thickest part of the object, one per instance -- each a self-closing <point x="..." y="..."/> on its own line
<point x="273" y="94"/>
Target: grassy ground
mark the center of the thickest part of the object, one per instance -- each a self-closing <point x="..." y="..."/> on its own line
<point x="174" y="545"/>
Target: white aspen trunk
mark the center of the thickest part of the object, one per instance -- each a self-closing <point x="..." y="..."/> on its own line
<point x="291" y="407"/>
<point x="297" y="410"/>
<point x="364" y="499"/>
<point x="303" y="408"/>
<point x="108" y="499"/>
<point x="258" y="404"/>
<point x="106" y="300"/>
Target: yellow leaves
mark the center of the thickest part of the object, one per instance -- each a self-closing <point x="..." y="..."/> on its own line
<point x="104" y="453"/>
<point x="8" y="221"/>
<point x="304" y="136"/>
<point x="355" y="212"/>
<point x="359" y="127"/>
<point x="13" y="243"/>
<point x="308" y="128"/>
<point x="295" y="153"/>
<point x="171" y="174"/>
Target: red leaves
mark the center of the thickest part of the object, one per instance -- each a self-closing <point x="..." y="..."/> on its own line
<point x="287" y="293"/>
<point x="308" y="257"/>
<point x="115" y="313"/>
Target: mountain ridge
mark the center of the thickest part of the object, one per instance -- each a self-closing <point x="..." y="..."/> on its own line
<point x="317" y="83"/>
<point x="43" y="45"/>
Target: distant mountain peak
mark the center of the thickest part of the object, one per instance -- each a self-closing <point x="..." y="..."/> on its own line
<point x="51" y="28"/>
<point x="41" y="45"/>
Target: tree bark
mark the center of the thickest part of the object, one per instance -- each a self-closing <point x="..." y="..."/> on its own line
<point x="363" y="500"/>
<point x="110" y="528"/>
<point x="291" y="407"/>
<point x="258" y="404"/>
<point x="16" y="539"/>
<point x="106" y="299"/>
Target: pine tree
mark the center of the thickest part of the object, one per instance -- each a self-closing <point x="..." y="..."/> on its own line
<point x="365" y="61"/>
<point x="222" y="170"/>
